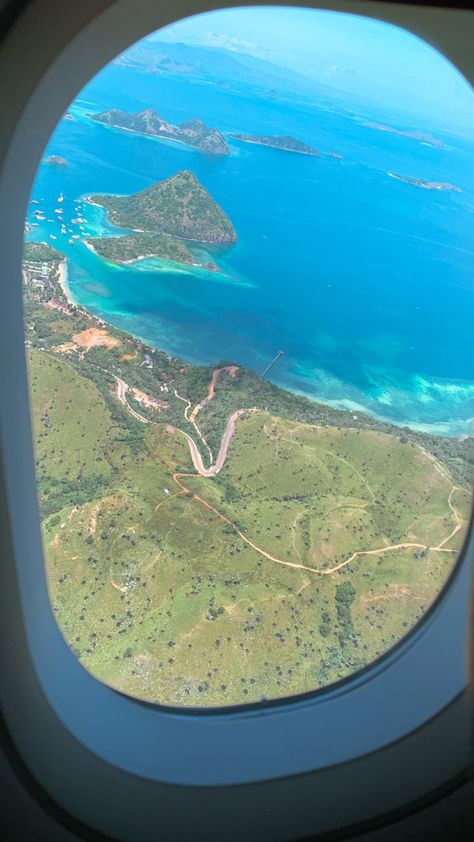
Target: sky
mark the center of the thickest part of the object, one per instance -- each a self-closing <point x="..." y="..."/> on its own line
<point x="364" y="57"/>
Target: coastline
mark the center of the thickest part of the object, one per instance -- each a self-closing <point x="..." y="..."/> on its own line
<point x="140" y="257"/>
<point x="450" y="428"/>
<point x="159" y="137"/>
<point x="63" y="283"/>
<point x="315" y="154"/>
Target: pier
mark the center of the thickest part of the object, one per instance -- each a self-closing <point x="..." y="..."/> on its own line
<point x="272" y="363"/>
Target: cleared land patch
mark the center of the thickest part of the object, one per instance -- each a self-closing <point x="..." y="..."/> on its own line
<point x="93" y="337"/>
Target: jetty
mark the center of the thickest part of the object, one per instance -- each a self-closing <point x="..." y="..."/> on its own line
<point x="272" y="363"/>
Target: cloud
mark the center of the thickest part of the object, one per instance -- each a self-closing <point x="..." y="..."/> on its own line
<point x="237" y="45"/>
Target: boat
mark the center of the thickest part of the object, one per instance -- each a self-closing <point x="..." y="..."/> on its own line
<point x="61" y="197"/>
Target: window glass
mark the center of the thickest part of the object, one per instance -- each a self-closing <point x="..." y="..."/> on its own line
<point x="248" y="321"/>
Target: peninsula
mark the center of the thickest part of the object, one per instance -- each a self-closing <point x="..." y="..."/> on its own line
<point x="193" y="133"/>
<point x="133" y="247"/>
<point x="179" y="206"/>
<point x="284" y="142"/>
<point x="56" y="161"/>
<point x="426" y="185"/>
<point x="422" y="137"/>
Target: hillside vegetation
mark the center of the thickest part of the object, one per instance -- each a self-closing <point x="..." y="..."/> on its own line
<point x="284" y="142"/>
<point x="132" y="247"/>
<point x="314" y="549"/>
<point x="161" y="598"/>
<point x="42" y="253"/>
<point x="179" y="206"/>
<point x="193" y="133"/>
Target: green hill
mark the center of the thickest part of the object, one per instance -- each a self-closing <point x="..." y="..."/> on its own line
<point x="313" y="551"/>
<point x="193" y="133"/>
<point x="179" y="206"/>
<point x="285" y="142"/>
<point x="162" y="599"/>
<point x="41" y="252"/>
<point x="132" y="247"/>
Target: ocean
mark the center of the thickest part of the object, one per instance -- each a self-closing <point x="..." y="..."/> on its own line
<point x="364" y="282"/>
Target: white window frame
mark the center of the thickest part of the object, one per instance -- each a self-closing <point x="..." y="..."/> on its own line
<point x="89" y="745"/>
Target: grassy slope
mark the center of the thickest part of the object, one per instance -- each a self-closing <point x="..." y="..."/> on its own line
<point x="75" y="434"/>
<point x="157" y="595"/>
<point x="202" y="617"/>
<point x="316" y="495"/>
<point x="248" y="390"/>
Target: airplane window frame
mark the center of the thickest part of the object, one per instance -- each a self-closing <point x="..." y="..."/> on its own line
<point x="163" y="745"/>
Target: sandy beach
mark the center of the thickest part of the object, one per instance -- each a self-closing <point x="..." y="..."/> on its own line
<point x="63" y="283"/>
<point x="89" y="246"/>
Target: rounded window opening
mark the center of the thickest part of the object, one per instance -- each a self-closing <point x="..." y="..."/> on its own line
<point x="248" y="317"/>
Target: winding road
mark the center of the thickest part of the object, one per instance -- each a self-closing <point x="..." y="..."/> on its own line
<point x="214" y="469"/>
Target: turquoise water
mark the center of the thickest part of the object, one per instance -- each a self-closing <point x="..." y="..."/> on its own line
<point x="365" y="282"/>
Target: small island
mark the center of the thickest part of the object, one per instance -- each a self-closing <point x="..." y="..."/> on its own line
<point x="285" y="143"/>
<point x="179" y="206"/>
<point x="422" y="137"/>
<point x="56" y="161"/>
<point x="134" y="247"/>
<point x="425" y="185"/>
<point x="193" y="133"/>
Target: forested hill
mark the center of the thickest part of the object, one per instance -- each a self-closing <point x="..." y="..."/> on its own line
<point x="193" y="133"/>
<point x="285" y="142"/>
<point x="179" y="206"/>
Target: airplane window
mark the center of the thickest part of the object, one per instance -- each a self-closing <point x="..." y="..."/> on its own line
<point x="248" y="304"/>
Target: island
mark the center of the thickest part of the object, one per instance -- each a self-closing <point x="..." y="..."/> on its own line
<point x="56" y="161"/>
<point x="179" y="206"/>
<point x="284" y="142"/>
<point x="426" y="185"/>
<point x="193" y="133"/>
<point x="133" y="247"/>
<point x="423" y="137"/>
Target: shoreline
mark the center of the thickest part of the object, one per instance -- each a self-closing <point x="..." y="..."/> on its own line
<point x="427" y="428"/>
<point x="63" y="283"/>
<point x="139" y="257"/>
<point x="315" y="154"/>
<point x="159" y="137"/>
<point x="180" y="263"/>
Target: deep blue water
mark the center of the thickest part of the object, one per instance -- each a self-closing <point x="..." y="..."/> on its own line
<point x="366" y="283"/>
